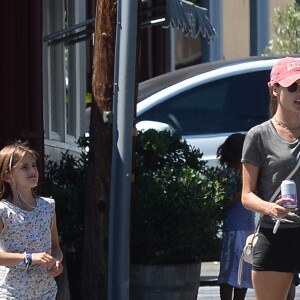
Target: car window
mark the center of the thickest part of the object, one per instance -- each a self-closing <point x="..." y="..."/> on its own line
<point x="231" y="104"/>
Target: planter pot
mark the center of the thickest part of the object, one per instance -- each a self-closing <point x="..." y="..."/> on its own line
<point x="165" y="282"/>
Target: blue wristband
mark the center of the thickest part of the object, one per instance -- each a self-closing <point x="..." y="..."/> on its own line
<point x="28" y="259"/>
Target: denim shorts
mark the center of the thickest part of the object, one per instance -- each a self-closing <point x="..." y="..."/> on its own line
<point x="277" y="252"/>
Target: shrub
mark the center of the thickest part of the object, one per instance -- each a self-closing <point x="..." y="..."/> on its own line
<point x="177" y="202"/>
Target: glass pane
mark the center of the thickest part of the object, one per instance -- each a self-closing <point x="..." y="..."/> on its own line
<point x="227" y="105"/>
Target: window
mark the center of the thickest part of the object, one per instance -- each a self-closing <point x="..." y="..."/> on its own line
<point x="64" y="74"/>
<point x="231" y="104"/>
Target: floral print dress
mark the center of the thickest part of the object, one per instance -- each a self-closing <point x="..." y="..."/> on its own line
<point x="26" y="231"/>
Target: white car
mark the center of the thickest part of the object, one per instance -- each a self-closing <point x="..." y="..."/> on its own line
<point x="207" y="102"/>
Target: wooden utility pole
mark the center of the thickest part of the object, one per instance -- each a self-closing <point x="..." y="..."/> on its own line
<point x="95" y="256"/>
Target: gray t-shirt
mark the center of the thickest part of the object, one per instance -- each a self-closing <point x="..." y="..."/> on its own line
<point x="276" y="158"/>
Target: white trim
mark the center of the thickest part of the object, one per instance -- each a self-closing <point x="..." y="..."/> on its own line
<point x="62" y="147"/>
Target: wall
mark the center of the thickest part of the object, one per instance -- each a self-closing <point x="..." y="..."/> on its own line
<point x="236" y="20"/>
<point x="21" y="73"/>
<point x="236" y="24"/>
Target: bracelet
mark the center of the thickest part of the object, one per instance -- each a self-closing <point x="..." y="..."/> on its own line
<point x="27" y="261"/>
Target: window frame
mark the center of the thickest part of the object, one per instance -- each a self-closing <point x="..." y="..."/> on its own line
<point x="63" y="127"/>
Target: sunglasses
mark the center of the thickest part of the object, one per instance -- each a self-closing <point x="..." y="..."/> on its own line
<point x="293" y="87"/>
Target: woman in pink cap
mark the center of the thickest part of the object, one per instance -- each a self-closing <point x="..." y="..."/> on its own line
<point x="271" y="151"/>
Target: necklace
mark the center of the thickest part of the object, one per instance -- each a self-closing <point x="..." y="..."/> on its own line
<point x="27" y="205"/>
<point x="286" y="125"/>
<point x="23" y="202"/>
<point x="287" y="128"/>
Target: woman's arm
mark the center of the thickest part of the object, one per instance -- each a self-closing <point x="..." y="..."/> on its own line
<point x="251" y="201"/>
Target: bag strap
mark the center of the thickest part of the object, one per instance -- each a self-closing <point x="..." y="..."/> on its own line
<point x="240" y="269"/>
<point x="287" y="178"/>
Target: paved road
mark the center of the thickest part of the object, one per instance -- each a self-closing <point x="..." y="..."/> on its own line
<point x="209" y="273"/>
<point x="212" y="293"/>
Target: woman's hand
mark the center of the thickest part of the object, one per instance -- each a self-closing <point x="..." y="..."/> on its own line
<point x="277" y="210"/>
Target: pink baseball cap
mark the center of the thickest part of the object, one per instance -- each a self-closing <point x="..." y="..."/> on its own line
<point x="285" y="72"/>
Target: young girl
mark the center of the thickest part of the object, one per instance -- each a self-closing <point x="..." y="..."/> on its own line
<point x="271" y="151"/>
<point x="30" y="255"/>
<point x="238" y="223"/>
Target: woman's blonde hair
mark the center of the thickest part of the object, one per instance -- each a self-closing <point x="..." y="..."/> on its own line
<point x="10" y="156"/>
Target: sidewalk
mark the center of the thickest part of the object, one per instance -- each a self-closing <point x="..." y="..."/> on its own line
<point x="209" y="273"/>
<point x="209" y="289"/>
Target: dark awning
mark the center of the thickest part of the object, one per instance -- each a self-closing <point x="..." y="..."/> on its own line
<point x="180" y="14"/>
<point x="189" y="18"/>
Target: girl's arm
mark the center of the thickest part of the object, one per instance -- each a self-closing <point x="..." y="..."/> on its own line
<point x="13" y="259"/>
<point x="9" y="259"/>
<point x="56" y="251"/>
<point x="56" y="268"/>
<point x="251" y="201"/>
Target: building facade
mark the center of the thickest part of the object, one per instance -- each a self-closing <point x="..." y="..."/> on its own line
<point x="47" y="59"/>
